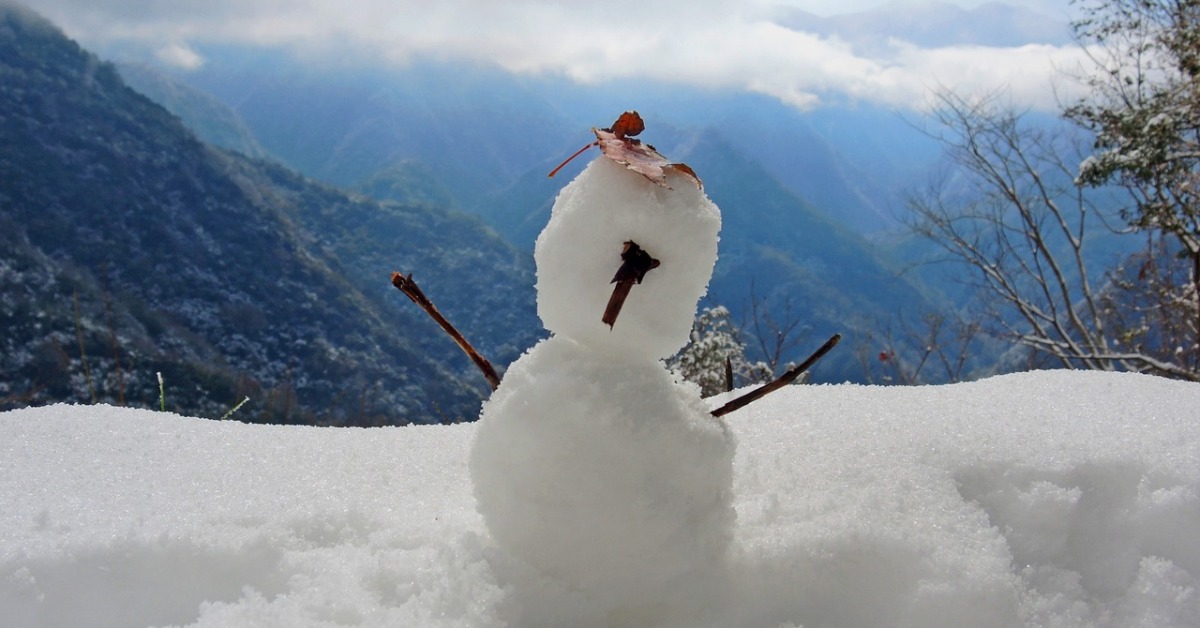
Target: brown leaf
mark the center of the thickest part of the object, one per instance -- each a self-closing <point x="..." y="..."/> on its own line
<point x="687" y="170"/>
<point x="617" y="143"/>
<point x="629" y="124"/>
<point x="638" y="156"/>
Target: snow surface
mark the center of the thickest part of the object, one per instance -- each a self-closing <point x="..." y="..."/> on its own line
<point x="1038" y="499"/>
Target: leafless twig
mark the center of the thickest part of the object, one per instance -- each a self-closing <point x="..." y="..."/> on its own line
<point x="410" y="289"/>
<point x="783" y="380"/>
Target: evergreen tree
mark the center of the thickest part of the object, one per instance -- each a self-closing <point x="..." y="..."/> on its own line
<point x="715" y="340"/>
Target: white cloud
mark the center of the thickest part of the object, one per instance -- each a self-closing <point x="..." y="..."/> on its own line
<point x="712" y="43"/>
<point x="1037" y="76"/>
<point x="180" y="56"/>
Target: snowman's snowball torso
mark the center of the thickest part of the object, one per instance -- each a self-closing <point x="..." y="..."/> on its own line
<point x="604" y="473"/>
<point x="590" y="461"/>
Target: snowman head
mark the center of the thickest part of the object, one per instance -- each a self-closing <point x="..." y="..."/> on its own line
<point x="594" y="219"/>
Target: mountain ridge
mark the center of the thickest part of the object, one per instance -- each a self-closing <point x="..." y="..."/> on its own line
<point x="135" y="249"/>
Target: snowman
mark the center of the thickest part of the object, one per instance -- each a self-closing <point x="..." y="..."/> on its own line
<point x="592" y="463"/>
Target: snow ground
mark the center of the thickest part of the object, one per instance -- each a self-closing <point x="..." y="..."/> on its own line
<point x="1039" y="499"/>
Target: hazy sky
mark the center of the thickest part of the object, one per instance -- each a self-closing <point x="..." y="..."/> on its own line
<point x="714" y="43"/>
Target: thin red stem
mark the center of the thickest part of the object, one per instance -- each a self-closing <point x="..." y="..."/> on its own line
<point x="577" y="153"/>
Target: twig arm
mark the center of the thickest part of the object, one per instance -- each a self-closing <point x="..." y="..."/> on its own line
<point x="410" y="289"/>
<point x="779" y="382"/>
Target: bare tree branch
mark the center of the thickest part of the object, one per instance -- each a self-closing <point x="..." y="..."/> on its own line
<point x="405" y="284"/>
<point x="1014" y="214"/>
<point x="779" y="382"/>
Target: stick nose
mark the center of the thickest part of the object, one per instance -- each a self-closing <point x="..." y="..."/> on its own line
<point x="635" y="263"/>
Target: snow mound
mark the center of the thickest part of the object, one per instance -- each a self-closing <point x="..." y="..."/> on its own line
<point x="1035" y="499"/>
<point x="579" y="251"/>
<point x="1067" y="499"/>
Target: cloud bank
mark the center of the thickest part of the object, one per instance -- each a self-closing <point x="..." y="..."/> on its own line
<point x="708" y="43"/>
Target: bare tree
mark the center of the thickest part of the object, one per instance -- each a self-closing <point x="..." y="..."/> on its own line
<point x="935" y="350"/>
<point x="777" y="335"/>
<point x="1014" y="213"/>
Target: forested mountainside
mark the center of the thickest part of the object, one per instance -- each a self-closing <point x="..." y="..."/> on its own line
<point x="130" y="248"/>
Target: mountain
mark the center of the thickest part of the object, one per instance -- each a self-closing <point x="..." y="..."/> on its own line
<point x="131" y="248"/>
<point x="204" y="115"/>
<point x="472" y="135"/>
<point x="408" y="181"/>
<point x="474" y="127"/>
<point x="796" y="260"/>
<point x="850" y="164"/>
<point x="483" y="140"/>
<point x="809" y="185"/>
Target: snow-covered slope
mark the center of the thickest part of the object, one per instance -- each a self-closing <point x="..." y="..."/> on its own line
<point x="1047" y="498"/>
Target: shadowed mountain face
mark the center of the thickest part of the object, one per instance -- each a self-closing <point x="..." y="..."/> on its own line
<point x="130" y="248"/>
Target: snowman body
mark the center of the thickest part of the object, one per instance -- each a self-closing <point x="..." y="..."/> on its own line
<point x="592" y="462"/>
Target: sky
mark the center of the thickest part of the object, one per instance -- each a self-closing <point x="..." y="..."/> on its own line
<point x="707" y="43"/>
